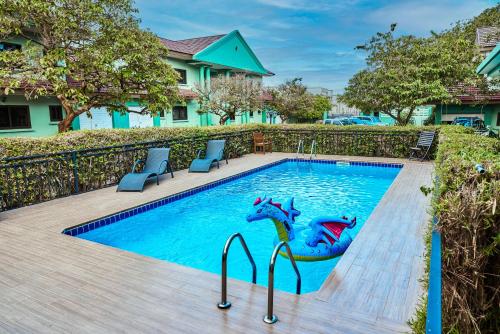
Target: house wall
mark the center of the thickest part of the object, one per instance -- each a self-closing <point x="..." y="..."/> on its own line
<point x="39" y="116"/>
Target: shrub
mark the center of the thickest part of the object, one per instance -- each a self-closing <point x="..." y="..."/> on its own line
<point x="86" y="160"/>
<point x="469" y="223"/>
<point x="465" y="205"/>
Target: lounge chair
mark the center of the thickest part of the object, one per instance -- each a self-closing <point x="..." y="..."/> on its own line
<point x="214" y="153"/>
<point x="156" y="164"/>
<point x="423" y="147"/>
<point x="260" y="141"/>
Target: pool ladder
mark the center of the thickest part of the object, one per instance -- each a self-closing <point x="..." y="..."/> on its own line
<point x="270" y="317"/>
<point x="300" y="149"/>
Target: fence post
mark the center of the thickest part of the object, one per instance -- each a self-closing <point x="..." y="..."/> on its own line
<point x="75" y="171"/>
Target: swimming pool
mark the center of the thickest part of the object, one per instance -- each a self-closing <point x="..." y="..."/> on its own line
<point x="191" y="228"/>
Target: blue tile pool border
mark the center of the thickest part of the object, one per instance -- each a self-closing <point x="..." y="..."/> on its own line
<point x="116" y="217"/>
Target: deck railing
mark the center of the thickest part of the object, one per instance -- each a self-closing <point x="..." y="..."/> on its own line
<point x="26" y="180"/>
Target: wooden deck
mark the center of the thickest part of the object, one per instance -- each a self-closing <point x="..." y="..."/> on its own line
<point x="53" y="283"/>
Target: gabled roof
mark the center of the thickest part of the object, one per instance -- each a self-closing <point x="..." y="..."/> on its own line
<point x="228" y="50"/>
<point x="190" y="46"/>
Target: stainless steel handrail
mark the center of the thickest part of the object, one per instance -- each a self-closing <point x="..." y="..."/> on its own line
<point x="224" y="303"/>
<point x="300" y="148"/>
<point x="270" y="318"/>
<point x="313" y="150"/>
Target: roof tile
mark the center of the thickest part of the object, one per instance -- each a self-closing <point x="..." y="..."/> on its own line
<point x="190" y="46"/>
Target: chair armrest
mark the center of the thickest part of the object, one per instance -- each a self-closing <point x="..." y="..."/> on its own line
<point x="161" y="164"/>
<point x="135" y="164"/>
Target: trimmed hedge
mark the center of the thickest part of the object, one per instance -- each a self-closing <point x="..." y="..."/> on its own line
<point x="348" y="140"/>
<point x="467" y="207"/>
<point x="39" y="169"/>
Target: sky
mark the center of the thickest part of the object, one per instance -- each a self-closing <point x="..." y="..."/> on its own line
<point x="309" y="39"/>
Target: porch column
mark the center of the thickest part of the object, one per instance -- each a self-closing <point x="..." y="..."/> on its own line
<point x="202" y="76"/>
<point x="207" y="76"/>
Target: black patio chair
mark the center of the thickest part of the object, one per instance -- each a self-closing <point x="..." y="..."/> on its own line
<point x="423" y="147"/>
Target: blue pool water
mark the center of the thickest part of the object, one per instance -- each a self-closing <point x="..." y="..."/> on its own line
<point x="192" y="231"/>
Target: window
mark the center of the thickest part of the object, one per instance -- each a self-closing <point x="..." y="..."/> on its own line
<point x="5" y="46"/>
<point x="162" y="114"/>
<point x="232" y="117"/>
<point x="15" y="117"/>
<point x="376" y="114"/>
<point x="183" y="77"/>
<point x="251" y="113"/>
<point x="179" y="113"/>
<point x="56" y="113"/>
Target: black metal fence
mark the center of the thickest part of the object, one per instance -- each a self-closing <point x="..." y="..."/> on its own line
<point x="27" y="180"/>
<point x="33" y="179"/>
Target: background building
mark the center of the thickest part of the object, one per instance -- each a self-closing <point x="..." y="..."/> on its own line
<point x="197" y="60"/>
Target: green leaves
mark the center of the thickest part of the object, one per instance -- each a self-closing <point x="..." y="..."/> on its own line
<point x="229" y="96"/>
<point x="406" y="71"/>
<point x="292" y="101"/>
<point x="87" y="53"/>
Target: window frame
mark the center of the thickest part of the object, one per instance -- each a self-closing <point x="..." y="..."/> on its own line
<point x="184" y="108"/>
<point x="183" y="74"/>
<point x="50" y="113"/>
<point x="9" y="112"/>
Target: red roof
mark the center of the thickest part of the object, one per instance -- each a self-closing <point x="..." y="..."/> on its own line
<point x="187" y="94"/>
<point x="474" y="94"/>
<point x="190" y="46"/>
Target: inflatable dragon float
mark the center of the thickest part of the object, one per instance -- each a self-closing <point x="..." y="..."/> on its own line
<point x="322" y="239"/>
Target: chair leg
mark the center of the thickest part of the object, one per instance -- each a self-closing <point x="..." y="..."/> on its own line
<point x="169" y="168"/>
<point x="218" y="164"/>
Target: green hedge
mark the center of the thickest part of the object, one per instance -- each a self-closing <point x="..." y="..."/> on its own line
<point x="86" y="160"/>
<point x="467" y="207"/>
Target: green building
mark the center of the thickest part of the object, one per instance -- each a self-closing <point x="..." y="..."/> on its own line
<point x="197" y="60"/>
<point x="473" y="103"/>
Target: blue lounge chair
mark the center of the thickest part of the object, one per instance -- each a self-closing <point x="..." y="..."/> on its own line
<point x="156" y="164"/>
<point x="214" y="153"/>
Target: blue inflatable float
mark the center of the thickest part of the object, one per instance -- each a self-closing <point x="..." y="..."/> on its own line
<point x="324" y="238"/>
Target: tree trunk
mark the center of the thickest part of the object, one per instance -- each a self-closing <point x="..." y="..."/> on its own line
<point x="223" y="119"/>
<point x="65" y="124"/>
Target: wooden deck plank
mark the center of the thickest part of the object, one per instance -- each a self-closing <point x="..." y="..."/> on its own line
<point x="52" y="283"/>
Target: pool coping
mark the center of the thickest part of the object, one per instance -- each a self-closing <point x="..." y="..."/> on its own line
<point x="130" y="212"/>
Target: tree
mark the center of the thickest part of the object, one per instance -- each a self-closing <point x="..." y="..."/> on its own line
<point x="320" y="105"/>
<point x="228" y="97"/>
<point x="291" y="99"/>
<point x="405" y="72"/>
<point x="86" y="53"/>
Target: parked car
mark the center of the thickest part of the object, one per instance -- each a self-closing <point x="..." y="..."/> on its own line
<point x="370" y="120"/>
<point x="334" y="121"/>
<point x="472" y="122"/>
<point x="358" y="121"/>
<point x="477" y="124"/>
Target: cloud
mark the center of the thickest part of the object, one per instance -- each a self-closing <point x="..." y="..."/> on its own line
<point x="420" y="17"/>
<point x="297" y="4"/>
